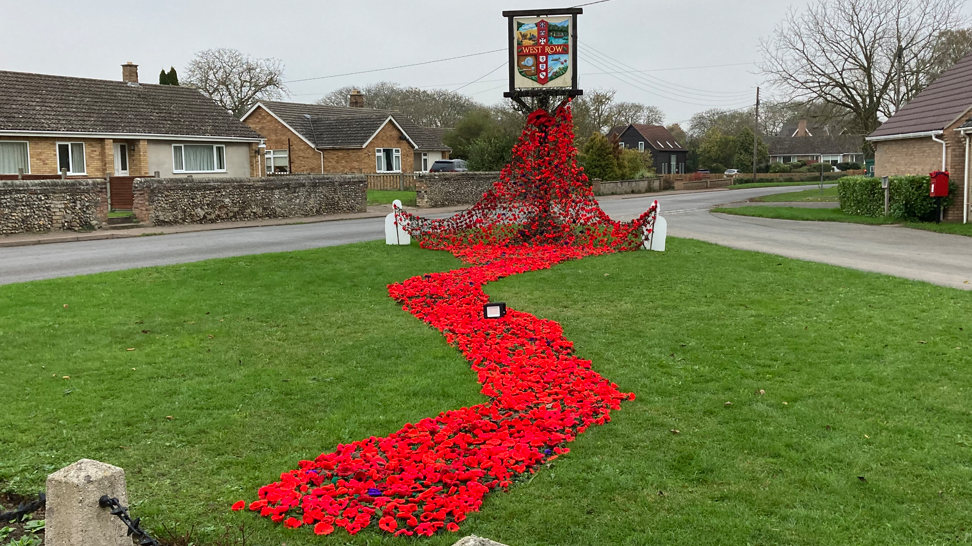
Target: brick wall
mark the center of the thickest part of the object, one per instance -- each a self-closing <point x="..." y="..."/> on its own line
<point x="43" y="154"/>
<point x="362" y="160"/>
<point x="304" y="158"/>
<point x="168" y="201"/>
<point x="452" y="189"/>
<point x="52" y="205"/>
<point x="921" y="156"/>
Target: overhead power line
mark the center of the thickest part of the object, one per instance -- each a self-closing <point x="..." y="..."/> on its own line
<point x="481" y="77"/>
<point x="653" y="81"/>
<point x="665" y="93"/>
<point x="397" y="67"/>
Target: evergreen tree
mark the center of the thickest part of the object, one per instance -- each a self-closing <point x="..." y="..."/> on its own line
<point x="163" y="78"/>
<point x="599" y="158"/>
<point x="173" y="76"/>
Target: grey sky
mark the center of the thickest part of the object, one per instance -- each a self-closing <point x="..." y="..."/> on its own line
<point x="327" y="37"/>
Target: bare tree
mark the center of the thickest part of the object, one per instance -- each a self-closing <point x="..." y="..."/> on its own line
<point x="850" y="53"/>
<point x="427" y="107"/>
<point x="950" y="47"/>
<point x="597" y="111"/>
<point x="235" y="81"/>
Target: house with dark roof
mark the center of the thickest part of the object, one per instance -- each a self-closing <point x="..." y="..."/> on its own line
<point x="312" y="138"/>
<point x="93" y="128"/>
<point x="822" y="143"/>
<point x="931" y="133"/>
<point x="668" y="154"/>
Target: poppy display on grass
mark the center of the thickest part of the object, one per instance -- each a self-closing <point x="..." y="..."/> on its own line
<point x="429" y="475"/>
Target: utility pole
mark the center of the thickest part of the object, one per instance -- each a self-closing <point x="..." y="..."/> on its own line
<point x="756" y="136"/>
<point x="899" y="95"/>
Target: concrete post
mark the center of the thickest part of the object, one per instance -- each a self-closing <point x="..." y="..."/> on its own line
<point x="74" y="517"/>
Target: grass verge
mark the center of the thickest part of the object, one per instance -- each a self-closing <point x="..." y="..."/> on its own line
<point x="836" y="215"/>
<point x="828" y="195"/>
<point x="777" y="184"/>
<point x="241" y="367"/>
<point x="382" y="197"/>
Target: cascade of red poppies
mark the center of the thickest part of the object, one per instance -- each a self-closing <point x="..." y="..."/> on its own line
<point x="429" y="475"/>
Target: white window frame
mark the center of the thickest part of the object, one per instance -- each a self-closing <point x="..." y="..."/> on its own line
<point x="215" y="158"/>
<point x="24" y="142"/>
<point x="270" y="156"/>
<point x="621" y="145"/>
<point x="380" y="160"/>
<point x="641" y="146"/>
<point x="425" y="162"/>
<point x="71" y="171"/>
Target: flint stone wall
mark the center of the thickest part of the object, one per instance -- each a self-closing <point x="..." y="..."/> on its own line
<point x="452" y="189"/>
<point x="31" y="206"/>
<point x="170" y="201"/>
<point x="621" y="187"/>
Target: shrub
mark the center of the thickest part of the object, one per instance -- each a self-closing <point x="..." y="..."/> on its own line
<point x="909" y="198"/>
<point x="717" y="168"/>
<point x="849" y="166"/>
<point x="780" y="168"/>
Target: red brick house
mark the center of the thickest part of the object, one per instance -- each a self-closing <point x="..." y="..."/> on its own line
<point x="91" y="128"/>
<point x="932" y="133"/>
<point x="311" y="138"/>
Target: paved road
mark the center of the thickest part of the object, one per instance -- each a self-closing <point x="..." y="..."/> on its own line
<point x="910" y="253"/>
<point x="937" y="258"/>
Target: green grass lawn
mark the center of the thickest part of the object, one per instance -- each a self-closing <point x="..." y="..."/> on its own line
<point x="836" y="215"/>
<point x="811" y="196"/>
<point x="243" y="366"/>
<point x="382" y="197"/>
<point x="120" y="214"/>
<point x="743" y="186"/>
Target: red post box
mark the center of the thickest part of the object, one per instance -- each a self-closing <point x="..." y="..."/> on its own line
<point x="939" y="184"/>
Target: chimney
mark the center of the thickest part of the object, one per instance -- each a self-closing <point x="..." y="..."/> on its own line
<point x="356" y="99"/>
<point x="130" y="72"/>
<point x="802" y="129"/>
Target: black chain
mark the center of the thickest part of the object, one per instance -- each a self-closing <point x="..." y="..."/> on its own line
<point x="133" y="528"/>
<point x="24" y="509"/>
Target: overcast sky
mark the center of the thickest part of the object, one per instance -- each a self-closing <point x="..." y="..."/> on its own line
<point x="326" y="37"/>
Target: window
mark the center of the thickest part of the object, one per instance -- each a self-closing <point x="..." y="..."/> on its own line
<point x="198" y="158"/>
<point x="388" y="160"/>
<point x="621" y="145"/>
<point x="787" y="159"/>
<point x="641" y="146"/>
<point x="425" y="162"/>
<point x="277" y="162"/>
<point x="832" y="159"/>
<point x="70" y="156"/>
<point x="13" y="157"/>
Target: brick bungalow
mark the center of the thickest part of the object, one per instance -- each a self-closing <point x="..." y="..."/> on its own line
<point x="815" y="144"/>
<point x="932" y="133"/>
<point x="311" y="138"/>
<point x="668" y="155"/>
<point x="93" y="128"/>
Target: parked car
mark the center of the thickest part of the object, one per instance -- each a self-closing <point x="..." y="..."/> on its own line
<point x="732" y="172"/>
<point x="702" y="171"/>
<point x="449" y="166"/>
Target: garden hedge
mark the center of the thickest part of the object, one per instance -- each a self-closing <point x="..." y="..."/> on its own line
<point x="863" y="196"/>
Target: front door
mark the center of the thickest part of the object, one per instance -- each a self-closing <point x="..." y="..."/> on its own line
<point x="121" y="159"/>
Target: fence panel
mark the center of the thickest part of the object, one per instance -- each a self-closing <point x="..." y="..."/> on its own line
<point x="392" y="182"/>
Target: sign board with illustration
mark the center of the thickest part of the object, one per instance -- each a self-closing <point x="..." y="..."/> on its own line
<point x="543" y="52"/>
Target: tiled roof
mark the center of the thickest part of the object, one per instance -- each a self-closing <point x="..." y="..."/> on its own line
<point x="939" y="105"/>
<point x="656" y="137"/>
<point x="343" y="127"/>
<point x="43" y="103"/>
<point x="659" y="138"/>
<point x="841" y="144"/>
